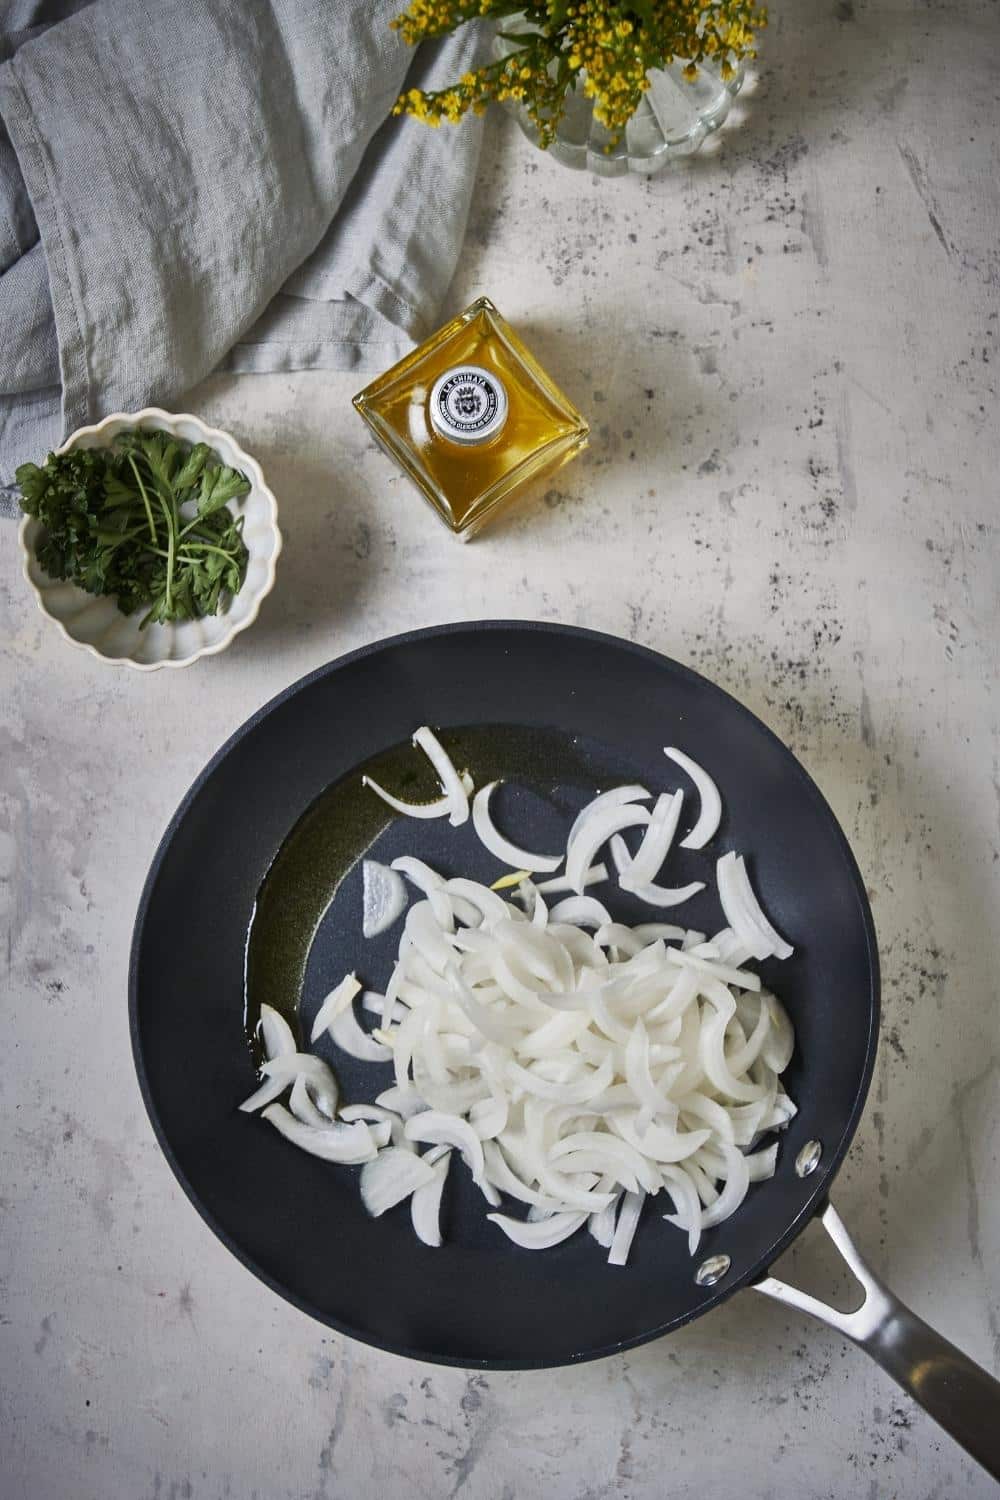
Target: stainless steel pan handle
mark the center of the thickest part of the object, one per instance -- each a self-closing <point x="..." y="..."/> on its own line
<point x="940" y="1378"/>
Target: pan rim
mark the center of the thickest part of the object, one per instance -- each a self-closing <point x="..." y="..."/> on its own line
<point x="832" y="1163"/>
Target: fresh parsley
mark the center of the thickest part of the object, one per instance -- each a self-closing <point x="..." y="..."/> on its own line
<point x="146" y="521"/>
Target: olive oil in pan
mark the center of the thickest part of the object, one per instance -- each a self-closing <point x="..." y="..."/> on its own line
<point x="347" y="819"/>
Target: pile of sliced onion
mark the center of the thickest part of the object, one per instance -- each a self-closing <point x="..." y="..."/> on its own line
<point x="575" y="1065"/>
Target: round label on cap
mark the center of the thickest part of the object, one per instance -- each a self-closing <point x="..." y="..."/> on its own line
<point x="468" y="404"/>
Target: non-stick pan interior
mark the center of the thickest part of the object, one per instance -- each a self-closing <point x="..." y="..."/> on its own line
<point x="297" y="1222"/>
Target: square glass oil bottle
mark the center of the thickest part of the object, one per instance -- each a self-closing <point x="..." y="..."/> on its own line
<point x="472" y="417"/>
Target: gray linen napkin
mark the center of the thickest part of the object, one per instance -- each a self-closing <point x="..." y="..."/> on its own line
<point x="187" y="185"/>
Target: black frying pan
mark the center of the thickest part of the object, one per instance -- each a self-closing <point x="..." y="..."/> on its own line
<point x="581" y="711"/>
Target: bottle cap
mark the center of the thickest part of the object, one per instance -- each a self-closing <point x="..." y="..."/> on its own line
<point x="468" y="404"/>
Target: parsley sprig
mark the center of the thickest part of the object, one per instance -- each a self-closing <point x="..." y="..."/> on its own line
<point x="146" y="521"/>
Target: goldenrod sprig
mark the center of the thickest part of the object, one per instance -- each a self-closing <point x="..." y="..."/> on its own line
<point x="604" y="47"/>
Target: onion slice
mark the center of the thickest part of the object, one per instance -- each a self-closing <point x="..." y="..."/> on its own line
<point x="351" y="1038"/>
<point x="439" y="808"/>
<point x="280" y="1072"/>
<point x="348" y="1144"/>
<point x="628" y="1222"/>
<point x="616" y="797"/>
<point x="741" y="979"/>
<point x="337" y="1000"/>
<point x="594" y="876"/>
<point x="581" y="911"/>
<point x="275" y="1032"/>
<point x="438" y="1129"/>
<point x="710" y="812"/>
<point x="491" y="839"/>
<point x="302" y="1105"/>
<point x="656" y="842"/>
<point x="542" y="1234"/>
<point x="597" y="824"/>
<point x="425" y="1205"/>
<point x="377" y="1114"/>
<point x="602" y="1225"/>
<point x="653" y="895"/>
<point x="452" y="785"/>
<point x="391" y="1177"/>
<point x="384" y="897"/>
<point x="743" y="911"/>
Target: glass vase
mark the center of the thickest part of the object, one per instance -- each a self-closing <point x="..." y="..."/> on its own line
<point x="674" y="117"/>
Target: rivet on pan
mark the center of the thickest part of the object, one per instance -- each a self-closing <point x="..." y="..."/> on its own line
<point x="808" y="1158"/>
<point x="712" y="1270"/>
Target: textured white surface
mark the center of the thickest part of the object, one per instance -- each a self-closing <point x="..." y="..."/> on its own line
<point x="788" y="352"/>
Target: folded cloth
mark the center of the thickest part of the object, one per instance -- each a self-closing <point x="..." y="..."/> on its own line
<point x="188" y="185"/>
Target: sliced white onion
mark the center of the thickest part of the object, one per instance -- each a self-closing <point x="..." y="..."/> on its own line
<point x="438" y="1129"/>
<point x="276" y="1034"/>
<point x="597" y="825"/>
<point x="302" y="1105"/>
<point x="278" y="1073"/>
<point x="628" y="1222"/>
<point x="761" y="1165"/>
<point x="491" y="839"/>
<point x="572" y="1070"/>
<point x="616" y="797"/>
<point x="617" y="1155"/>
<point x="602" y="1225"/>
<point x="735" y="1190"/>
<point x="489" y="1117"/>
<point x="587" y="1087"/>
<point x="502" y="1175"/>
<point x="401" y="1101"/>
<point x="439" y="808"/>
<point x="348" y="1144"/>
<point x="434" y="886"/>
<point x="391" y="1177"/>
<point x="492" y="908"/>
<point x="425" y="1205"/>
<point x="653" y="895"/>
<point x="384" y="897"/>
<point x="376" y="1114"/>
<point x="451" y="782"/>
<point x="687" y="1205"/>
<point x="741" y="979"/>
<point x="349" y="1036"/>
<point x="596" y="875"/>
<point x="541" y="1235"/>
<point x="780" y="1113"/>
<point x="780" y="1042"/>
<point x="710" y="812"/>
<point x="580" y="911"/>
<point x="652" y="932"/>
<point x="743" y="910"/>
<point x="656" y="841"/>
<point x="730" y="948"/>
<point x="337" y="1000"/>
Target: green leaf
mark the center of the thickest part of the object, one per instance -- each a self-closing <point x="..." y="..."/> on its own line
<point x="97" y="532"/>
<point x="118" y="492"/>
<point x="192" y="466"/>
<point x="218" y="487"/>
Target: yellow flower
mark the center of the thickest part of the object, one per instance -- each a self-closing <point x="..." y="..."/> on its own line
<point x="604" y="44"/>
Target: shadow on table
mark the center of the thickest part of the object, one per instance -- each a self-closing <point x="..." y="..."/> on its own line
<point x="330" y="545"/>
<point x="641" y="406"/>
<point x="825" y="66"/>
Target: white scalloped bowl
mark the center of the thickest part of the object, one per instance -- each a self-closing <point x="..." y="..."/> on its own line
<point x="95" y="622"/>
